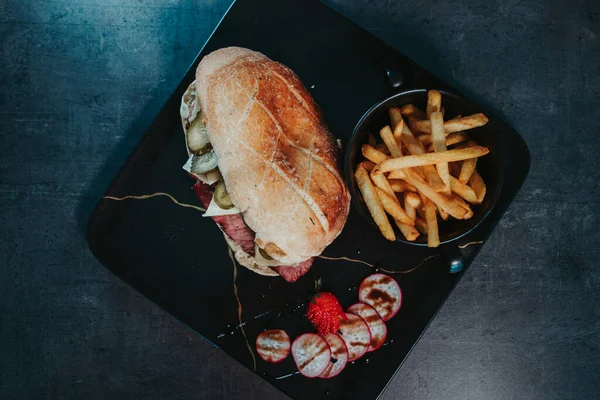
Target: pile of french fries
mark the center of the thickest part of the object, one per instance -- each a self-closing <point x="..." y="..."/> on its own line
<point x="425" y="167"/>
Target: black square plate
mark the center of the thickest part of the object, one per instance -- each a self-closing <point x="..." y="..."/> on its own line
<point x="179" y="260"/>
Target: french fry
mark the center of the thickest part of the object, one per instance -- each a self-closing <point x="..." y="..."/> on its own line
<point x="382" y="183"/>
<point x="428" y="172"/>
<point x="374" y="203"/>
<point x="368" y="165"/>
<point x="421" y="213"/>
<point x="409" y="110"/>
<point x="433" y="178"/>
<point x="443" y="111"/>
<point x="390" y="141"/>
<point x="467" y="167"/>
<point x="434" y="102"/>
<point x="451" y="139"/>
<point x="400" y="185"/>
<point x="421" y="225"/>
<point x="403" y="146"/>
<point x="416" y="124"/>
<point x="371" y="140"/>
<point x="459" y="200"/>
<point x="438" y="139"/>
<point x="410" y="211"/>
<point x="433" y="237"/>
<point x="455" y="168"/>
<point x="466" y="170"/>
<point x="478" y="186"/>
<point x="413" y="199"/>
<point x="399" y="174"/>
<point x="451" y="205"/>
<point x="464" y="191"/>
<point x="424" y="138"/>
<point x="395" y="210"/>
<point x="465" y="144"/>
<point x="397" y="131"/>
<point x="409" y="232"/>
<point x="456" y="137"/>
<point x="447" y="156"/>
<point x="392" y="206"/>
<point x="469" y="214"/>
<point x="408" y="139"/>
<point x="411" y="202"/>
<point x="415" y="147"/>
<point x="383" y="148"/>
<point x="443" y="214"/>
<point x="463" y="204"/>
<point x="452" y="125"/>
<point x="423" y="200"/>
<point x="395" y="117"/>
<point x="372" y="154"/>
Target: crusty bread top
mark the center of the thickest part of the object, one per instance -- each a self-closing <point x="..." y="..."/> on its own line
<point x="279" y="162"/>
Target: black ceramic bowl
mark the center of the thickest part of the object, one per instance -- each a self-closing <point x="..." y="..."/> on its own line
<point x="488" y="166"/>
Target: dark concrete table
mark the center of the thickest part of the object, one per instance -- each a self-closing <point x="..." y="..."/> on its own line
<point x="82" y="79"/>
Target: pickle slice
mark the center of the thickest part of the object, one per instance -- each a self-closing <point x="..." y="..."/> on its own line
<point x="222" y="197"/>
<point x="203" y="150"/>
<point x="204" y="163"/>
<point x="197" y="138"/>
<point x="264" y="254"/>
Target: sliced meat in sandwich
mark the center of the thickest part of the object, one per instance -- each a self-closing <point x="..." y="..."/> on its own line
<point x="266" y="165"/>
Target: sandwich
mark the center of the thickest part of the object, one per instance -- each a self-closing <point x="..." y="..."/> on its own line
<point x="266" y="166"/>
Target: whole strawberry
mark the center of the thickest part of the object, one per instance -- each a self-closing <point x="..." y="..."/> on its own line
<point x="325" y="312"/>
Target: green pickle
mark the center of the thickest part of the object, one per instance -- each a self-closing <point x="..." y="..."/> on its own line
<point x="265" y="255"/>
<point x="222" y="197"/>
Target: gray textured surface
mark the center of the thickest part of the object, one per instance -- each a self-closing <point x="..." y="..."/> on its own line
<point x="81" y="80"/>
